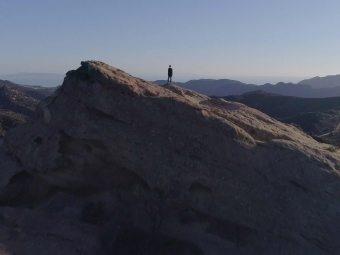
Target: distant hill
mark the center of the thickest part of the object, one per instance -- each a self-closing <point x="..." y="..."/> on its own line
<point x="279" y="106"/>
<point x="315" y="116"/>
<point x="40" y="79"/>
<point x="15" y="108"/>
<point x="323" y="82"/>
<point x="37" y="92"/>
<point x="225" y="87"/>
<point x="212" y="87"/>
<point x="16" y="101"/>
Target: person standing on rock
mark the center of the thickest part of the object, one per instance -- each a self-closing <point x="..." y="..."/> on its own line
<point x="169" y="74"/>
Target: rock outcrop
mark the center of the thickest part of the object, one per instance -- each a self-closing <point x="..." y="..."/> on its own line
<point x="234" y="180"/>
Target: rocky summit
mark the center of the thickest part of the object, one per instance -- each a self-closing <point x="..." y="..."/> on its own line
<point x="112" y="164"/>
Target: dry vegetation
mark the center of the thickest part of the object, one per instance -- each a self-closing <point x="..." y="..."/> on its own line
<point x="9" y="119"/>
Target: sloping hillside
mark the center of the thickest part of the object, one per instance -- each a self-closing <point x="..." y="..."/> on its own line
<point x="16" y="101"/>
<point x="15" y="108"/>
<point x="316" y="116"/>
<point x="36" y="92"/>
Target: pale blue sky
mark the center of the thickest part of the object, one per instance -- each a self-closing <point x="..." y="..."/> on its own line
<point x="199" y="38"/>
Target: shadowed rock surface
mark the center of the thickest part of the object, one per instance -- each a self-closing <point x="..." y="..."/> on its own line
<point x="149" y="167"/>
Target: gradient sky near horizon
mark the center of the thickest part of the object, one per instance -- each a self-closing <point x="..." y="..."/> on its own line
<point x="253" y="39"/>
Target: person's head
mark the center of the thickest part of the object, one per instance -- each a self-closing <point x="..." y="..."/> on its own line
<point x="169" y="65"/>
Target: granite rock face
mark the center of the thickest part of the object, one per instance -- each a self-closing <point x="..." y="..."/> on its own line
<point x="236" y="174"/>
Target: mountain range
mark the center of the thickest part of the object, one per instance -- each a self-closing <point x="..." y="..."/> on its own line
<point x="279" y="106"/>
<point x="318" y="86"/>
<point x="316" y="116"/>
<point x="225" y="87"/>
<point x="323" y="82"/>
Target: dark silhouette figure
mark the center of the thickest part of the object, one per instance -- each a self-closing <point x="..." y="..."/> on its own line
<point x="169" y="74"/>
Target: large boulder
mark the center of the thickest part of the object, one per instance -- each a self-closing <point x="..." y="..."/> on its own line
<point x="240" y="171"/>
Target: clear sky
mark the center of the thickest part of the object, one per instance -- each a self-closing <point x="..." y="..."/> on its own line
<point x="277" y="39"/>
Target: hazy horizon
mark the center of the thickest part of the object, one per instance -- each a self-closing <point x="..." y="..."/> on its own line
<point x="257" y="80"/>
<point x="55" y="79"/>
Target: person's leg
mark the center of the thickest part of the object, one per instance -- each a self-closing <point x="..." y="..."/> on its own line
<point x="170" y="79"/>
